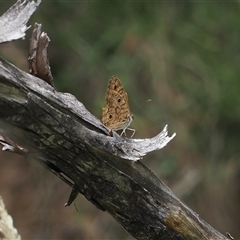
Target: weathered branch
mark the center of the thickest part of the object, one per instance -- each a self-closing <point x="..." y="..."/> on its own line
<point x="59" y="132"/>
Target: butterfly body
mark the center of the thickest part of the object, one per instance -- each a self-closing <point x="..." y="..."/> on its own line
<point x="117" y="115"/>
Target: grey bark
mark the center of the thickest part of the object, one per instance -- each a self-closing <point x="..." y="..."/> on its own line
<point x="55" y="129"/>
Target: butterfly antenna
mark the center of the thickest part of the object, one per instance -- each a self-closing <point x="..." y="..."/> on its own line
<point x="147" y="101"/>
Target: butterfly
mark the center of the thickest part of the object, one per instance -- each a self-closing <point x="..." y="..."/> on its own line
<point x="117" y="115"/>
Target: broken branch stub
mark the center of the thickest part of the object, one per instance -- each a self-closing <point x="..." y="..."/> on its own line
<point x="38" y="55"/>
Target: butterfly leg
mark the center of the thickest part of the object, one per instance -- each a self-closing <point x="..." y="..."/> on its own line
<point x="123" y="131"/>
<point x="133" y="130"/>
<point x="130" y="129"/>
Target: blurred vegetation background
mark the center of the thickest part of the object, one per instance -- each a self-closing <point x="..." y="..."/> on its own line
<point x="185" y="56"/>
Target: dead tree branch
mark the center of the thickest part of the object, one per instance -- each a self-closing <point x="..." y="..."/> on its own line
<point x="55" y="129"/>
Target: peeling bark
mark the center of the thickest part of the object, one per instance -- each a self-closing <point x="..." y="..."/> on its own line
<point x="38" y="57"/>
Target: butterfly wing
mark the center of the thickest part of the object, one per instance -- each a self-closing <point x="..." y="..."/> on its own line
<point x="116" y="115"/>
